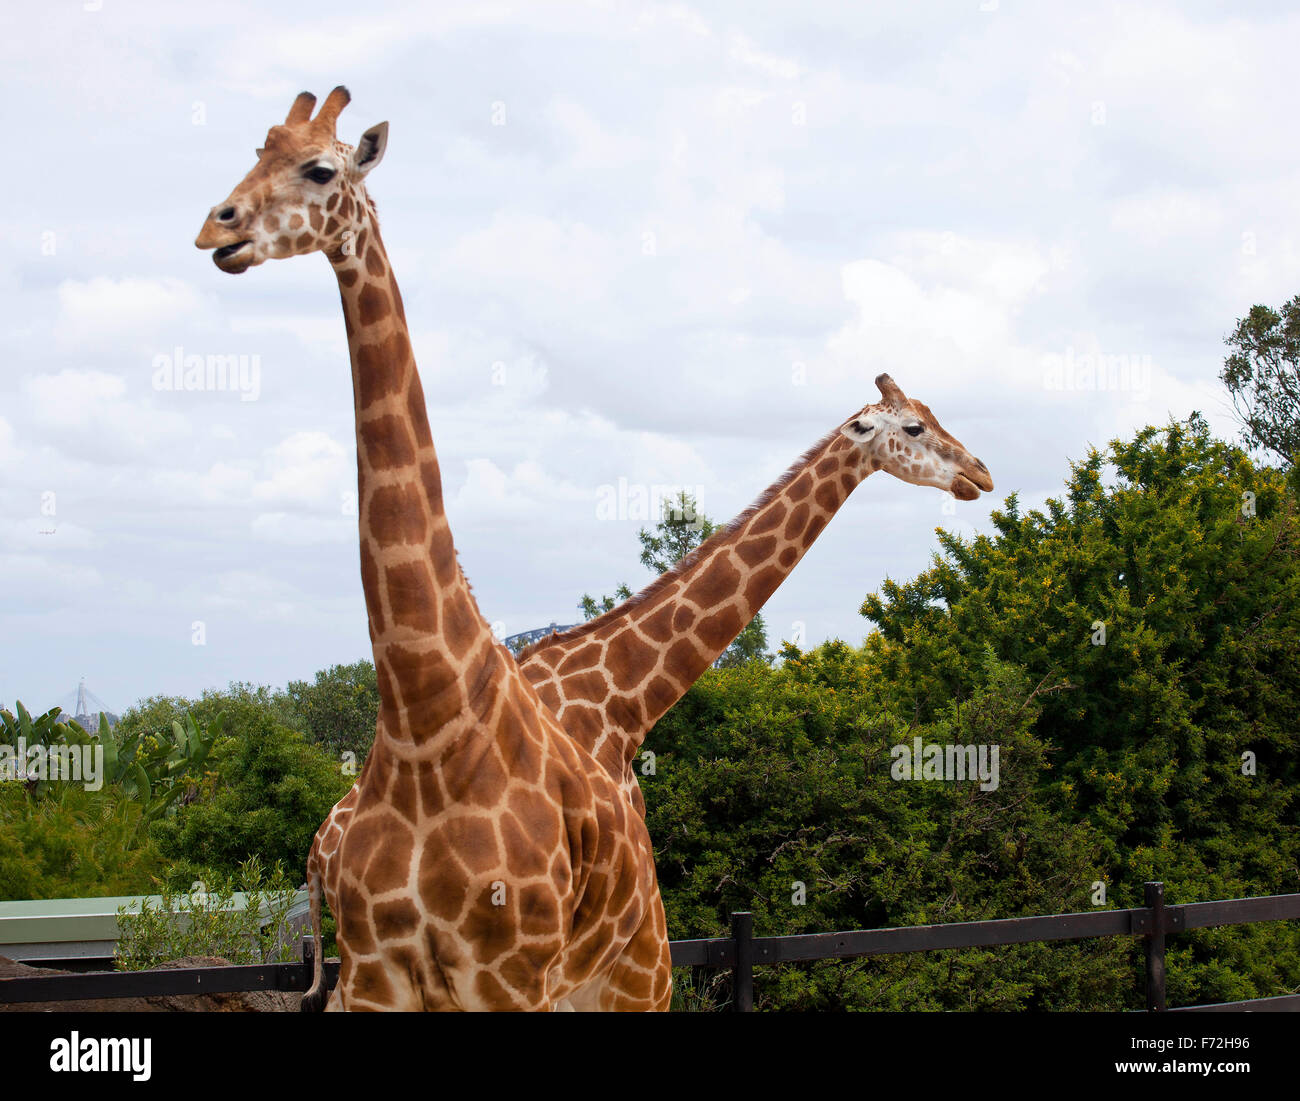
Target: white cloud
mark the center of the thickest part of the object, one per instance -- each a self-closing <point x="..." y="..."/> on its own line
<point x="298" y="530"/>
<point x="942" y="309"/>
<point x="525" y="489"/>
<point x="93" y="415"/>
<point x="8" y="448"/>
<point x="560" y="259"/>
<point x="306" y="469"/>
<point x="945" y="206"/>
<point x="45" y="578"/>
<point x="251" y="593"/>
<point x="226" y="483"/>
<point x="743" y="50"/>
<point x="1156" y="217"/>
<point x="320" y="333"/>
<point x="103" y="307"/>
<point x="75" y="398"/>
<point x="49" y="535"/>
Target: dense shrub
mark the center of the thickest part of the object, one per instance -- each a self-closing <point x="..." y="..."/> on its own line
<point x="204" y="921"/>
<point x="1122" y="762"/>
<point x="273" y="791"/>
<point x="73" y="843"/>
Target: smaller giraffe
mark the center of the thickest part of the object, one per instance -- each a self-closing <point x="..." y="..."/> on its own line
<point x="611" y="679"/>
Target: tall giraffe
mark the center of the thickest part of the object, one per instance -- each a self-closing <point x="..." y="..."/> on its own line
<point x="611" y="679"/>
<point x="489" y="861"/>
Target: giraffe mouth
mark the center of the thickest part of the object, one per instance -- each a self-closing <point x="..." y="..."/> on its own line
<point x="226" y="252"/>
<point x="971" y="480"/>
<point x="964" y="489"/>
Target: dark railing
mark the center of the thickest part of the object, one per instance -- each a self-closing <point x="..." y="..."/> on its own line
<point x="741" y="951"/>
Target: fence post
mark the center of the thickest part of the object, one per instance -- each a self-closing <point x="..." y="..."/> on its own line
<point x="742" y="974"/>
<point x="1154" y="898"/>
<point x="308" y="953"/>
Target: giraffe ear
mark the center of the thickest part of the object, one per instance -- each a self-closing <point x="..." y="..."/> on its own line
<point x="858" y="429"/>
<point x="370" y="149"/>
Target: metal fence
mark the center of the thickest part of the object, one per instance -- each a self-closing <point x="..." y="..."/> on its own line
<point x="742" y="951"/>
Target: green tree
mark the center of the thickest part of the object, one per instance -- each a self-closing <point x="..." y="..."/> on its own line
<point x="156" y="768"/>
<point x="1164" y="595"/>
<point x="273" y="790"/>
<point x="774" y="793"/>
<point x="73" y="843"/>
<point x="591" y="607"/>
<point x="1133" y="652"/>
<point x="1263" y="375"/>
<point x="681" y="528"/>
<point x="339" y="709"/>
<point x="242" y="702"/>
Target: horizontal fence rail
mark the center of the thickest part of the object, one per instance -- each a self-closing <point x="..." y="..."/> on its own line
<point x="231" y="979"/>
<point x="741" y="951"/>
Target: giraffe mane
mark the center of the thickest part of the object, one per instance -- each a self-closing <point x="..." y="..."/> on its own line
<point x="685" y="563"/>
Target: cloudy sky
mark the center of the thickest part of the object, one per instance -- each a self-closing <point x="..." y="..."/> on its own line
<point x="640" y="245"/>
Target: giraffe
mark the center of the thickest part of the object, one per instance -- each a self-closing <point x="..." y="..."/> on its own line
<point x="610" y="680"/>
<point x="489" y="862"/>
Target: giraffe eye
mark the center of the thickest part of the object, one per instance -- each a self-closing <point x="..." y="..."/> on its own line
<point x="913" y="429"/>
<point x="320" y="175"/>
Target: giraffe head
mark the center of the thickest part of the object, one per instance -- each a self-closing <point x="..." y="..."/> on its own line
<point x="900" y="435"/>
<point x="304" y="194"/>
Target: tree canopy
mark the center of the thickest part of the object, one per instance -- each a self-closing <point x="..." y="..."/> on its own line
<point x="1263" y="375"/>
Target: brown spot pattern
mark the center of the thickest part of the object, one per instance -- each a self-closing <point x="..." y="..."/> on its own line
<point x="396" y="515"/>
<point x="372" y="304"/>
<point x="412" y="597"/>
<point x="387" y="443"/>
<point x="630" y="659"/>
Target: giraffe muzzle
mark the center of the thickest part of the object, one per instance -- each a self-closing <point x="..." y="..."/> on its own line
<point x="968" y="484"/>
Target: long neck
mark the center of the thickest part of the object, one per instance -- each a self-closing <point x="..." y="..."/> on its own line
<point x="661" y="641"/>
<point x="431" y="644"/>
<point x="720" y="590"/>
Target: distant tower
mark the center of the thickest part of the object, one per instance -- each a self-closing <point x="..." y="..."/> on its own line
<point x="86" y="710"/>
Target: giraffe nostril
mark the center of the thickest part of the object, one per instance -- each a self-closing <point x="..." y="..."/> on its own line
<point x="980" y="466"/>
<point x="226" y="215"/>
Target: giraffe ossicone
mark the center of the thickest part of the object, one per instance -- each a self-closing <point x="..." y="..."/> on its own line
<point x="488" y="861"/>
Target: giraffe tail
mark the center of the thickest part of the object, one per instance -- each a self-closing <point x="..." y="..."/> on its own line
<point x="314" y="1000"/>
